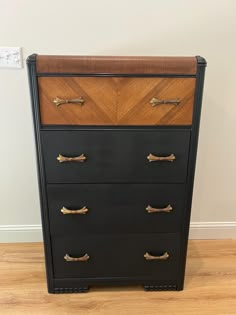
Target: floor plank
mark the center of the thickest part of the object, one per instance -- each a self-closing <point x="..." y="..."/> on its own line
<point x="210" y="286"/>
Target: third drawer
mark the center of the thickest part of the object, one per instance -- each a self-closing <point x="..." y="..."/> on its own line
<point x="115" y="208"/>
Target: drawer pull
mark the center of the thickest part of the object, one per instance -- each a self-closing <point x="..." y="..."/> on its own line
<point x="154" y="158"/>
<point x="80" y="158"/>
<point x="59" y="101"/>
<point x="150" y="209"/>
<point x="154" y="101"/>
<point x="83" y="210"/>
<point x="83" y="258"/>
<point x="165" y="256"/>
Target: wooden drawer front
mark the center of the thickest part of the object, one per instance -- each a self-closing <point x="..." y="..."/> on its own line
<point x="116" y="256"/>
<point x="99" y="108"/>
<point x="135" y="96"/>
<point x="115" y="156"/>
<point x="110" y="208"/>
<point x="116" y="100"/>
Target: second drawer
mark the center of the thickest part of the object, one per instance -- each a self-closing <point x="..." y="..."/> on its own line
<point x="116" y="156"/>
<point x="115" y="208"/>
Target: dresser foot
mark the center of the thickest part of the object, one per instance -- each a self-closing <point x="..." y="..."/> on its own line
<point x="171" y="287"/>
<point x="71" y="290"/>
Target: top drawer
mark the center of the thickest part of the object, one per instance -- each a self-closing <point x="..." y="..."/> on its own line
<point x="116" y="100"/>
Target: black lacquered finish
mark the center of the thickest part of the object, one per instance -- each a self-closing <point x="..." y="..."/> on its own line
<point x="116" y="156"/>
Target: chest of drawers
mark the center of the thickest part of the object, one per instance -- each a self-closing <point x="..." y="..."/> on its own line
<point x="116" y="141"/>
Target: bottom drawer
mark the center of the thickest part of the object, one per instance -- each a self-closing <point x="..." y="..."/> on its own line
<point x="117" y="256"/>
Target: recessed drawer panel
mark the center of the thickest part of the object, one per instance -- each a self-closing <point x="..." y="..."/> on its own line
<point x="116" y="100"/>
<point x="115" y="208"/>
<point x="150" y="256"/>
<point x="113" y="156"/>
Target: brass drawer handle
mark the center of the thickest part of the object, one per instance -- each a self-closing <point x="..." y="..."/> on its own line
<point x="80" y="158"/>
<point x="165" y="256"/>
<point x="83" y="210"/>
<point x="154" y="101"/>
<point x="82" y="258"/>
<point x="167" y="209"/>
<point x="59" y="101"/>
<point x="154" y="158"/>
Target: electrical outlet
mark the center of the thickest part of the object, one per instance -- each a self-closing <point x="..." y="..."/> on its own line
<point x="10" y="57"/>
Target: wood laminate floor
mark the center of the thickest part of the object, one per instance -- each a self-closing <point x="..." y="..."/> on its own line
<point x="210" y="286"/>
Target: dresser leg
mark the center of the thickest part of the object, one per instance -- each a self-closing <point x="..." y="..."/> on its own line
<point x="171" y="287"/>
<point x="71" y="290"/>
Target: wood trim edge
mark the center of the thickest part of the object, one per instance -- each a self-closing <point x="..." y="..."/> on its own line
<point x="115" y="64"/>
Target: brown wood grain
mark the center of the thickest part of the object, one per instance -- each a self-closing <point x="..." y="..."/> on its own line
<point x="116" y="64"/>
<point x="99" y="95"/>
<point x="135" y="95"/>
<point x="210" y="286"/>
<point x="116" y="100"/>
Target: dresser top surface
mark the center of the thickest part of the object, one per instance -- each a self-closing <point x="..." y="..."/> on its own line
<point x="116" y="64"/>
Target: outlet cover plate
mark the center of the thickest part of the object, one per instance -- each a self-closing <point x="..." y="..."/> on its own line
<point x="10" y="57"/>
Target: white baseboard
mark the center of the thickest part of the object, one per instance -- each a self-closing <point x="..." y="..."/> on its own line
<point x="212" y="230"/>
<point x="198" y="230"/>
<point x="20" y="233"/>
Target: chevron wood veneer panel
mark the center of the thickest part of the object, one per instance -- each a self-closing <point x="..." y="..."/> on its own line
<point x="136" y="93"/>
<point x="116" y="100"/>
<point x="99" y="108"/>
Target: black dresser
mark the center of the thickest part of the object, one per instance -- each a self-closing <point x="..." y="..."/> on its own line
<point x="116" y="141"/>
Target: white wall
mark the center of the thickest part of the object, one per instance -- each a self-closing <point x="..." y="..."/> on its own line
<point x="123" y="27"/>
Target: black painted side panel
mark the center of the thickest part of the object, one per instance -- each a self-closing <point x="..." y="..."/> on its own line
<point x="116" y="156"/>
